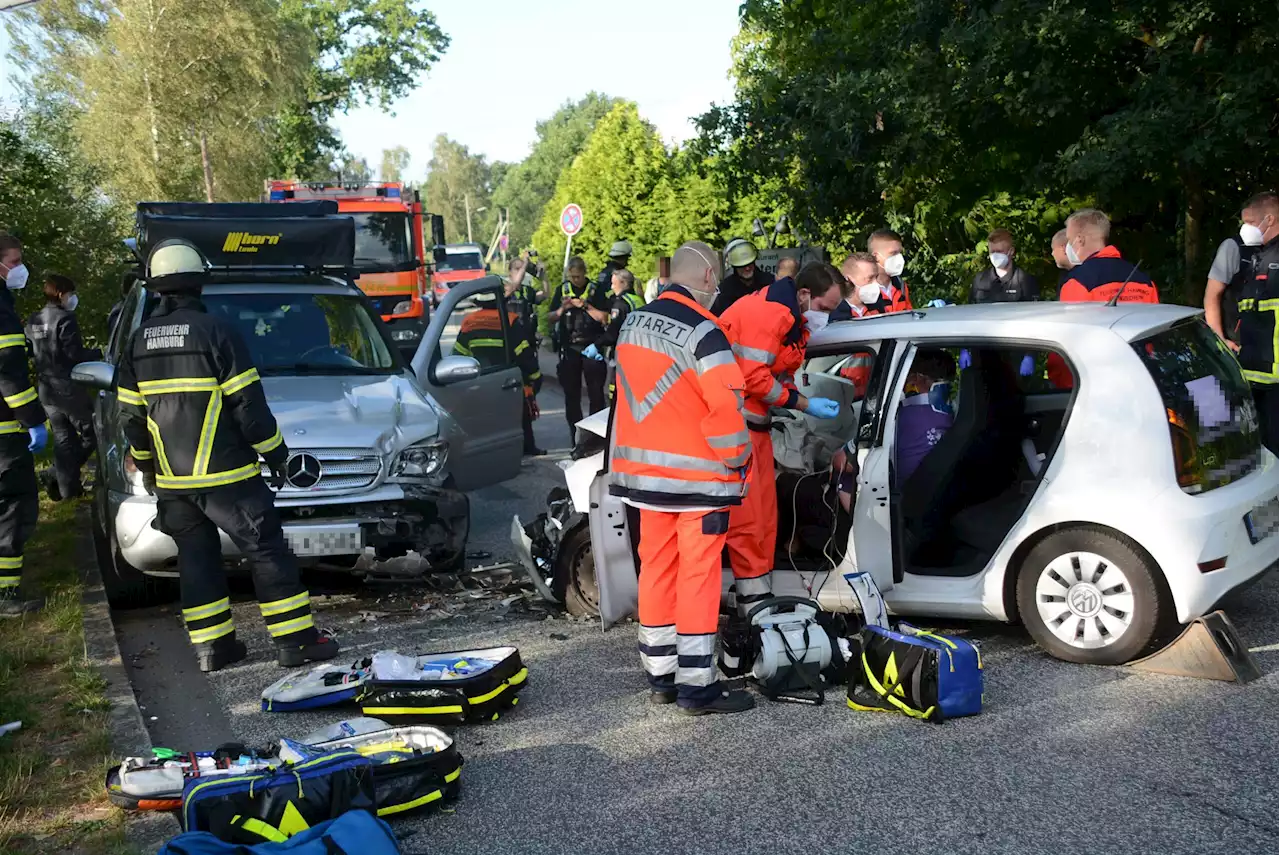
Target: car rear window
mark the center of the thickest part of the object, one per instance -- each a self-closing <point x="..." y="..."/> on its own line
<point x="1213" y="424"/>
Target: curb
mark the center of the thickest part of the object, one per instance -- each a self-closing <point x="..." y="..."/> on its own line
<point x="147" y="830"/>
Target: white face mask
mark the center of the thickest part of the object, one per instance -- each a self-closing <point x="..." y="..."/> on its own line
<point x="16" y="279"/>
<point x="1000" y="260"/>
<point x="1250" y="234"/>
<point x="1072" y="257"/>
<point x="895" y="264"/>
<point x="70" y="301"/>
<point x="869" y="293"/>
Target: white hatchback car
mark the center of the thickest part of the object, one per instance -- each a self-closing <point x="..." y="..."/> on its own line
<point x="1101" y="515"/>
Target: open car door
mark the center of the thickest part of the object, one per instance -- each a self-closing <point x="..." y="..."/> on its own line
<point x="476" y="380"/>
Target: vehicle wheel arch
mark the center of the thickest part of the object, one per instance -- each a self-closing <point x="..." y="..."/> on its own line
<point x="1029" y="543"/>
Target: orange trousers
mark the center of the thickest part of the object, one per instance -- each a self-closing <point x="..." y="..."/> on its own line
<point x="680" y="600"/>
<point x="753" y="527"/>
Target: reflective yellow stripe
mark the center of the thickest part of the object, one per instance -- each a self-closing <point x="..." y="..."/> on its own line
<point x="21" y="399"/>
<point x="11" y="562"/>
<point x="461" y="348"/>
<point x="522" y="347"/>
<point x="139" y="454"/>
<point x="157" y="445"/>
<point x="890" y="697"/>
<point x="288" y="604"/>
<point x="256" y="826"/>
<point x="200" y="636"/>
<point x="430" y="797"/>
<point x="169" y="481"/>
<point x="515" y="680"/>
<point x="289" y="626"/>
<point x="208" y="429"/>
<point x="487" y="342"/>
<point x="269" y="444"/>
<point x="235" y="384"/>
<point x="177" y="384"/>
<point x="11" y="427"/>
<point x="537" y="375"/>
<point x="207" y="610"/>
<point x="15" y="340"/>
<point x="129" y="396"/>
<point x="10" y="581"/>
<point x="410" y="710"/>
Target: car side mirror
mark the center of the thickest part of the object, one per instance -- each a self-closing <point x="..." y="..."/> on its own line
<point x="438" y="255"/>
<point x="456" y="369"/>
<point x="96" y="375"/>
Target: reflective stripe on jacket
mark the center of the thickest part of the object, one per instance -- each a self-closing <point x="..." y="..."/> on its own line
<point x="19" y="404"/>
<point x="768" y="334"/>
<point x="481" y="337"/>
<point x="679" y="438"/>
<point x="1259" y="306"/>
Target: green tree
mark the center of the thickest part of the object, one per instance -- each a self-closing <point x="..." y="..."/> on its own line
<point x="526" y="187"/>
<point x="614" y="180"/>
<point x="458" y="181"/>
<point x="366" y="52"/>
<point x="394" y="162"/>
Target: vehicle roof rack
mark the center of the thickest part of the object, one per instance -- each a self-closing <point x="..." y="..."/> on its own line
<point x="308" y="236"/>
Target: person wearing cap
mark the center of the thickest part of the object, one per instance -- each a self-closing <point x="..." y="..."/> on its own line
<point x="196" y="419"/>
<point x="619" y="258"/>
<point x="22" y="433"/>
<point x="746" y="277"/>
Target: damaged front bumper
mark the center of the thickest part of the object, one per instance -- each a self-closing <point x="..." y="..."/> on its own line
<point x="537" y="544"/>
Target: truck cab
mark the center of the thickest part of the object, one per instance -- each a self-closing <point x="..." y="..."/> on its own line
<point x="460" y="262"/>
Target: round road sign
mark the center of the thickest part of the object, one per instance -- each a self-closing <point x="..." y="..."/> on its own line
<point x="571" y="219"/>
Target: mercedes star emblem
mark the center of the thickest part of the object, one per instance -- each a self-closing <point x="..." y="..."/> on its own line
<point x="303" y="470"/>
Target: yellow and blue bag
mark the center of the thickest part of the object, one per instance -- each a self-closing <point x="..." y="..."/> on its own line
<point x="917" y="673"/>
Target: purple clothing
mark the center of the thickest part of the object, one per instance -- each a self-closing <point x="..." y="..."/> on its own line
<point x="920" y="427"/>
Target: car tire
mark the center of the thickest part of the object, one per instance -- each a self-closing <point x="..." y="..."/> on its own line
<point x="575" y="573"/>
<point x="126" y="586"/>
<point x="1087" y="595"/>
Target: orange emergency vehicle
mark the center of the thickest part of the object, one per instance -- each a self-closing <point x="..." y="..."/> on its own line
<point x="390" y="253"/>
<point x="460" y="262"/>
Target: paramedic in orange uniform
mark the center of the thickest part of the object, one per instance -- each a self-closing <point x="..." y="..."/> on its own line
<point x="680" y="454"/>
<point x="768" y="333"/>
<point x="1096" y="275"/>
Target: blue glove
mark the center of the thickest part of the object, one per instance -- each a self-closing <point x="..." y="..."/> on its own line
<point x="39" y="439"/>
<point x="591" y="352"/>
<point x="965" y="359"/>
<point x="822" y="408"/>
<point x="937" y="304"/>
<point x="1028" y="365"/>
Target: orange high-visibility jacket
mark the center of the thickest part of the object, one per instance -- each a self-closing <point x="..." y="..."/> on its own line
<point x="679" y="439"/>
<point x="768" y="333"/>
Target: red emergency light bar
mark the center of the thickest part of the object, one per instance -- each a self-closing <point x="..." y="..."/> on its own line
<point x="280" y="191"/>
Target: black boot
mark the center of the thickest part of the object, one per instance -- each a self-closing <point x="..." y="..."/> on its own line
<point x="13" y="603"/>
<point x="219" y="653"/>
<point x="51" y="487"/>
<point x="304" y="647"/>
<point x="728" y="702"/>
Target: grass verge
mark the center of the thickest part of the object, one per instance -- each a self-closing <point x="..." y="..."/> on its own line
<point x="51" y="771"/>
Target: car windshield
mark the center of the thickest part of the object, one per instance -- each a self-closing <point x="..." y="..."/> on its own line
<point x="1213" y="423"/>
<point x="384" y="241"/>
<point x="307" y="333"/>
<point x="455" y="261"/>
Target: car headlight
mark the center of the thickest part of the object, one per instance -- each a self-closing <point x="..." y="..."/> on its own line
<point x="133" y="475"/>
<point x="404" y="307"/>
<point x="420" y="460"/>
<point x="404" y="335"/>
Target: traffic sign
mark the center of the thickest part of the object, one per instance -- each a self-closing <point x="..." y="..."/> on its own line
<point x="502" y="243"/>
<point x="571" y="219"/>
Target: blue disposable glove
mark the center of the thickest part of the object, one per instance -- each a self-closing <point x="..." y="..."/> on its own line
<point x="591" y="352"/>
<point x="822" y="408"/>
<point x="965" y="359"/>
<point x="937" y="304"/>
<point x="39" y="439"/>
<point x="1028" y="365"/>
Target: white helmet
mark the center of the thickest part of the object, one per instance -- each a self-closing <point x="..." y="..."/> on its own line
<point x="174" y="255"/>
<point x="620" y="249"/>
<point x="740" y="253"/>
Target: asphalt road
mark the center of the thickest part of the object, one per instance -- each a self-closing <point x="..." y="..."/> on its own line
<point x="1065" y="758"/>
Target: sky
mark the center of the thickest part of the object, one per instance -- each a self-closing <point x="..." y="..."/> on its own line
<point x="503" y="72"/>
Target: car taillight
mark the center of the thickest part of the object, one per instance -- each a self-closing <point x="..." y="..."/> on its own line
<point x="1186" y="459"/>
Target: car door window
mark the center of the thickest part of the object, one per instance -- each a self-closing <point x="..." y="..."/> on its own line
<point x="480" y="328"/>
<point x="124" y="326"/>
<point x="871" y="420"/>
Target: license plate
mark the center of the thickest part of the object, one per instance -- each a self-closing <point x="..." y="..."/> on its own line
<point x="1261" y="521"/>
<point x="332" y="539"/>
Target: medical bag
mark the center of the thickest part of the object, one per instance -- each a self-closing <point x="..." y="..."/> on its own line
<point x="355" y="832"/>
<point x="449" y="688"/>
<point x="918" y="673"/>
<point x="792" y="650"/>
<point x="156" y="782"/>
<point x="278" y="803"/>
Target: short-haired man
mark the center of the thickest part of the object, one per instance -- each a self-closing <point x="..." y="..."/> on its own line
<point x="1233" y="267"/>
<point x="579" y="309"/>
<point x="1058" y="246"/>
<point x="1259" y="307"/>
<point x="886" y="246"/>
<point x="1097" y="275"/>
<point x="862" y="295"/>
<point x="1004" y="281"/>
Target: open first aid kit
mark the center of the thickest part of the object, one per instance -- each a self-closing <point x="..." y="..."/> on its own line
<point x="915" y="672"/>
<point x="156" y="782"/>
<point x="444" y="688"/>
<point x="355" y="832"/>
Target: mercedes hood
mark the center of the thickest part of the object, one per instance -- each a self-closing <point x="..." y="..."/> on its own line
<point x="385" y="413"/>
